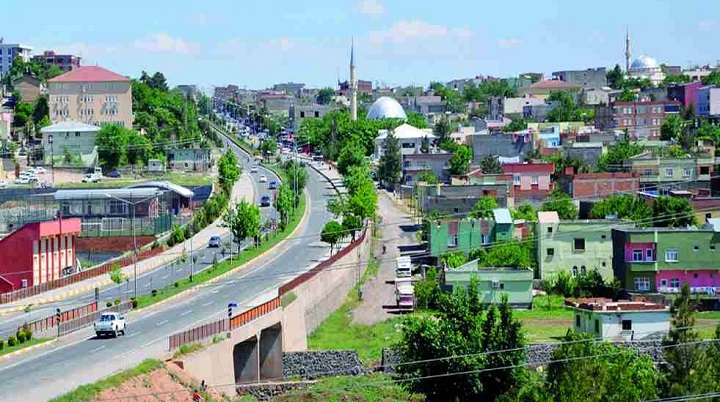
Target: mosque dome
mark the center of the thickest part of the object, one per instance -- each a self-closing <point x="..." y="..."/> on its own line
<point x="386" y="108"/>
<point x="644" y="62"/>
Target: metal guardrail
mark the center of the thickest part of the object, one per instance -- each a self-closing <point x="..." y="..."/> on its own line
<point x="51" y="321"/>
<point x="87" y="320"/>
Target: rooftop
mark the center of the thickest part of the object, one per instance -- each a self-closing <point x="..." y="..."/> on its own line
<point x="406" y="131"/>
<point x="548" y="217"/>
<point x="386" y="108"/>
<point x="553" y="84"/>
<point x="90" y="74"/>
<point x="502" y="215"/>
<point x="165" y="185"/>
<point x="509" y="168"/>
<point x="610" y="306"/>
<point x="69" y="126"/>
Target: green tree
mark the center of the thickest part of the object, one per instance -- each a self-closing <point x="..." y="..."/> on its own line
<point x="676" y="79"/>
<point x="428" y="177"/>
<point x="427" y="290"/>
<point x="297" y="176"/>
<point x="484" y="207"/>
<point x="584" y="370"/>
<point x="516" y="125"/>
<point x="331" y="234"/>
<point x="352" y="154"/>
<point x="243" y="221"/>
<point x="623" y="206"/>
<point x="41" y="110"/>
<point x="671" y="128"/>
<point x="425" y="145"/>
<point x="490" y="165"/>
<point x="23" y="113"/>
<point x="615" y="77"/>
<point x="117" y="276"/>
<point x="524" y="211"/>
<point x="325" y="95"/>
<point x="622" y="150"/>
<point x="453" y="259"/>
<point x="567" y="110"/>
<point x="505" y="254"/>
<point x="112" y="142"/>
<point x="268" y="146"/>
<point x="562" y="203"/>
<point x="284" y="203"/>
<point x="712" y="79"/>
<point x="363" y="201"/>
<point x="460" y="160"/>
<point x="416" y="119"/>
<point x="390" y="168"/>
<point x="627" y="96"/>
<point x="672" y="212"/>
<point x="442" y="130"/>
<point x="228" y="167"/>
<point x="351" y="224"/>
<point x="687" y="369"/>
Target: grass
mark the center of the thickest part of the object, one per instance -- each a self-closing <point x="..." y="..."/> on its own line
<point x="367" y="388"/>
<point x="34" y="341"/>
<point x="183" y="179"/>
<point x="188" y="349"/>
<point x="225" y="266"/>
<point x="90" y="392"/>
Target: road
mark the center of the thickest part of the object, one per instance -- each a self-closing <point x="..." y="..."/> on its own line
<point x="80" y="358"/>
<point x="156" y="278"/>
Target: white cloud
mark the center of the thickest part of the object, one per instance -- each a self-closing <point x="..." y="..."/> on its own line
<point x="162" y="42"/>
<point x="706" y="25"/>
<point x="409" y="30"/>
<point x="370" y="7"/>
<point x="510" y="42"/>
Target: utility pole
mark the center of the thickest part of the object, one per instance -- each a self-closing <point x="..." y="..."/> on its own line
<point x="192" y="261"/>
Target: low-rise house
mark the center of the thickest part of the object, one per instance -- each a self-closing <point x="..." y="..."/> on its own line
<point x="686" y="93"/>
<point x="598" y="186"/>
<point x="70" y="138"/>
<point x="588" y="78"/>
<point x="459" y="198"/>
<point x="155" y="166"/>
<point x="409" y="137"/>
<point x="29" y="88"/>
<point x="538" y="113"/>
<point x="189" y="159"/>
<point x="531" y="181"/>
<point x="491" y="126"/>
<point x="543" y="88"/>
<point x="466" y="234"/>
<point x="416" y="164"/>
<point x="427" y="104"/>
<point x="513" y="107"/>
<point x="506" y="145"/>
<point x="576" y="247"/>
<point x="621" y="320"/>
<point x="663" y="259"/>
<point x="493" y="283"/>
<point x="301" y="112"/>
<point x="672" y="173"/>
<point x="589" y="152"/>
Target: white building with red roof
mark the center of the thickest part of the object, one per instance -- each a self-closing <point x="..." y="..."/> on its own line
<point x="91" y="95"/>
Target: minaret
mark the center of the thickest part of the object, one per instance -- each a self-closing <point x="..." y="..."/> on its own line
<point x="353" y="84"/>
<point x="628" y="51"/>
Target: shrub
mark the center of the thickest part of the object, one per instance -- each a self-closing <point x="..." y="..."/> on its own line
<point x="2" y="344"/>
<point x="154" y="292"/>
<point x="427" y="291"/>
<point x="117" y="301"/>
<point x="176" y="284"/>
<point x="28" y="331"/>
<point x="12" y="341"/>
<point x="563" y="284"/>
<point x="20" y="335"/>
<point x="108" y="304"/>
<point x="155" y="245"/>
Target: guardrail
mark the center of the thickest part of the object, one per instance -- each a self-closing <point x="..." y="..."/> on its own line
<point x="87" y="320"/>
<point x="51" y="321"/>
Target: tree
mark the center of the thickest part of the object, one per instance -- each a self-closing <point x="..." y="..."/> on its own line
<point x="672" y="128"/>
<point x="428" y="177"/>
<point x="623" y="206"/>
<point x="40" y="110"/>
<point x="284" y="203"/>
<point x="484" y="207"/>
<point x="325" y="95"/>
<point x="416" y="119"/>
<point x="567" y="110"/>
<point x="622" y="150"/>
<point x="117" y="276"/>
<point x="112" y="142"/>
<point x="505" y="254"/>
<point x="460" y="160"/>
<point x="157" y="81"/>
<point x="490" y="165"/>
<point x="615" y="77"/>
<point x="686" y="371"/>
<point x="525" y="211"/>
<point x="516" y="125"/>
<point x="676" y="79"/>
<point x="228" y="167"/>
<point x="425" y="145"/>
<point x="296" y="175"/>
<point x="23" y="113"/>
<point x="562" y="203"/>
<point x="352" y="154"/>
<point x="243" y="221"/>
<point x="611" y="373"/>
<point x="672" y="212"/>
<point x="268" y="146"/>
<point x="712" y="79"/>
<point x="390" y="167"/>
<point x="627" y="96"/>
<point x="363" y="201"/>
<point x="453" y="259"/>
<point x="351" y="224"/>
<point x="331" y="234"/>
<point x="442" y="130"/>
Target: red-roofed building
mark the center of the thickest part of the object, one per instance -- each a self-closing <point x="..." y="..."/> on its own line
<point x="91" y="95"/>
<point x="531" y="181"/>
<point x="37" y="253"/>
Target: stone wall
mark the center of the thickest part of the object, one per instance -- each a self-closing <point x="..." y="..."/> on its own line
<point x="312" y="364"/>
<point x="268" y="391"/>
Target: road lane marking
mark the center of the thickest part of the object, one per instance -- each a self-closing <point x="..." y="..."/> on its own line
<point x="207" y="304"/>
<point x="97" y="349"/>
<point x="147" y="285"/>
<point x="163" y="322"/>
<point x="134" y="334"/>
<point x="163" y="277"/>
<point x="186" y="313"/>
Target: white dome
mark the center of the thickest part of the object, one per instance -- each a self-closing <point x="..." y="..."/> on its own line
<point x="644" y="62"/>
<point x="386" y="108"/>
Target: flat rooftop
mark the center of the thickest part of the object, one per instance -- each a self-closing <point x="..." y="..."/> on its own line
<point x="610" y="306"/>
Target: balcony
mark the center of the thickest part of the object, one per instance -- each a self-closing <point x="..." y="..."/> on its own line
<point x="641" y="266"/>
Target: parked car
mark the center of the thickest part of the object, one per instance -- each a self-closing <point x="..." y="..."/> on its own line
<point x="273" y="185"/>
<point x="39" y="170"/>
<point x="3" y="183"/>
<point x="214" y="241"/>
<point x="263" y="179"/>
<point x="110" y="324"/>
<point x="113" y="174"/>
<point x="23" y="152"/>
<point x="91" y="178"/>
<point x="265" y="201"/>
<point x="253" y="169"/>
<point x="22" y="180"/>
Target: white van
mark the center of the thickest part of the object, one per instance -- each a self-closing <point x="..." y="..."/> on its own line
<point x="404" y="267"/>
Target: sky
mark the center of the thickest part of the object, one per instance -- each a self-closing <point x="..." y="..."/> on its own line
<point x="255" y="44"/>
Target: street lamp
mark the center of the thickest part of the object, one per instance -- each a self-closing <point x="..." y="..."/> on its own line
<point x="135" y="250"/>
<point x="52" y="158"/>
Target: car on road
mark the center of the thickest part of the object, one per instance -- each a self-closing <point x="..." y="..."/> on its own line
<point x="22" y="180"/>
<point x="110" y="324"/>
<point x="113" y="173"/>
<point x="273" y="185"/>
<point x="263" y="179"/>
<point x="214" y="241"/>
<point x="265" y="201"/>
<point x="253" y="169"/>
<point x="39" y="170"/>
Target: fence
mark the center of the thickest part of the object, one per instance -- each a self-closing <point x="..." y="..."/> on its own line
<point x="207" y="330"/>
<point x="20" y="294"/>
<point x="119" y="226"/>
<point x="51" y="321"/>
<point x="73" y="325"/>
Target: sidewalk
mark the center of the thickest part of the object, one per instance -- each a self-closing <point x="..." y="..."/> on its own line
<point x="243" y="190"/>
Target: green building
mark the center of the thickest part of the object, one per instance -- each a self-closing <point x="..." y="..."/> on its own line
<point x="516" y="283"/>
<point x="577" y="247"/>
<point x="466" y="234"/>
<point x="663" y="259"/>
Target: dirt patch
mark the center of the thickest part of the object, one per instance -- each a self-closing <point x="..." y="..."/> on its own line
<point x="168" y="383"/>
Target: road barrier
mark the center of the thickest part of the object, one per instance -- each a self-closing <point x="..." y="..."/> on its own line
<point x="73" y="325"/>
<point x="51" y="321"/>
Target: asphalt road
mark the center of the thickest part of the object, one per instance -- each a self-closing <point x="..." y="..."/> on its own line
<point x="81" y="358"/>
<point x="154" y="279"/>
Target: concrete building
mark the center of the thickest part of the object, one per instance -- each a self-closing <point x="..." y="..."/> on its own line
<point x="589" y="152"/>
<point x="65" y="62"/>
<point x="189" y="159"/>
<point x="542" y="89"/>
<point x="386" y="107"/>
<point x="642" y="119"/>
<point x="576" y="247"/>
<point x="8" y="53"/>
<point x="428" y="105"/>
<point x="493" y="283"/>
<point x="416" y="164"/>
<point x="621" y="320"/>
<point x="466" y="234"/>
<point x="589" y="78"/>
<point x="686" y="94"/>
<point x="504" y="145"/>
<point x="532" y="182"/>
<point x="708" y="101"/>
<point x="646" y="67"/>
<point x="190" y="91"/>
<point x="301" y="112"/>
<point x="38" y="253"/>
<point x="29" y="88"/>
<point x="460" y="198"/>
<point x="538" y="113"/>
<point x="660" y="173"/>
<point x="409" y="137"/>
<point x="70" y="137"/>
<point x="663" y="259"/>
<point x="598" y="186"/>
<point x="91" y="95"/>
<point x="460" y="84"/>
<point x="290" y="88"/>
<point x="513" y="107"/>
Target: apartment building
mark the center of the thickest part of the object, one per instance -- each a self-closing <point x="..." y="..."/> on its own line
<point x="8" y="53"/>
<point x="708" y="101"/>
<point x="91" y="95"/>
<point x="531" y="181"/>
<point x="65" y="62"/>
<point x="642" y="119"/>
<point x="671" y="173"/>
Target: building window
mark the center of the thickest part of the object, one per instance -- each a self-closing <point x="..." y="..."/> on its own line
<point x="453" y="241"/>
<point x="516" y="180"/>
<point x="696" y="247"/>
<point x="627" y="325"/>
<point x="704" y="170"/>
<point x="574" y="271"/>
<point x="637" y="254"/>
<point x="687" y="172"/>
<point x="550" y="252"/>
<point x="663" y="283"/>
<point x="671" y="255"/>
<point x="579" y="244"/>
<point x="485" y="239"/>
<point x="668" y="172"/>
<point x="577" y="320"/>
<point x="597" y="326"/>
<point x="648" y="254"/>
<point x="583" y="270"/>
<point x="549" y="229"/>
<point x="642" y="284"/>
<point x="674" y="282"/>
<point x="534" y="180"/>
<point x="712" y="246"/>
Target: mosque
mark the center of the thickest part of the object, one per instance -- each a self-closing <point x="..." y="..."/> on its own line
<point x="643" y="66"/>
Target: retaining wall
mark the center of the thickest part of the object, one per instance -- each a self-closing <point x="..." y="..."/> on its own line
<point x="312" y="364"/>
